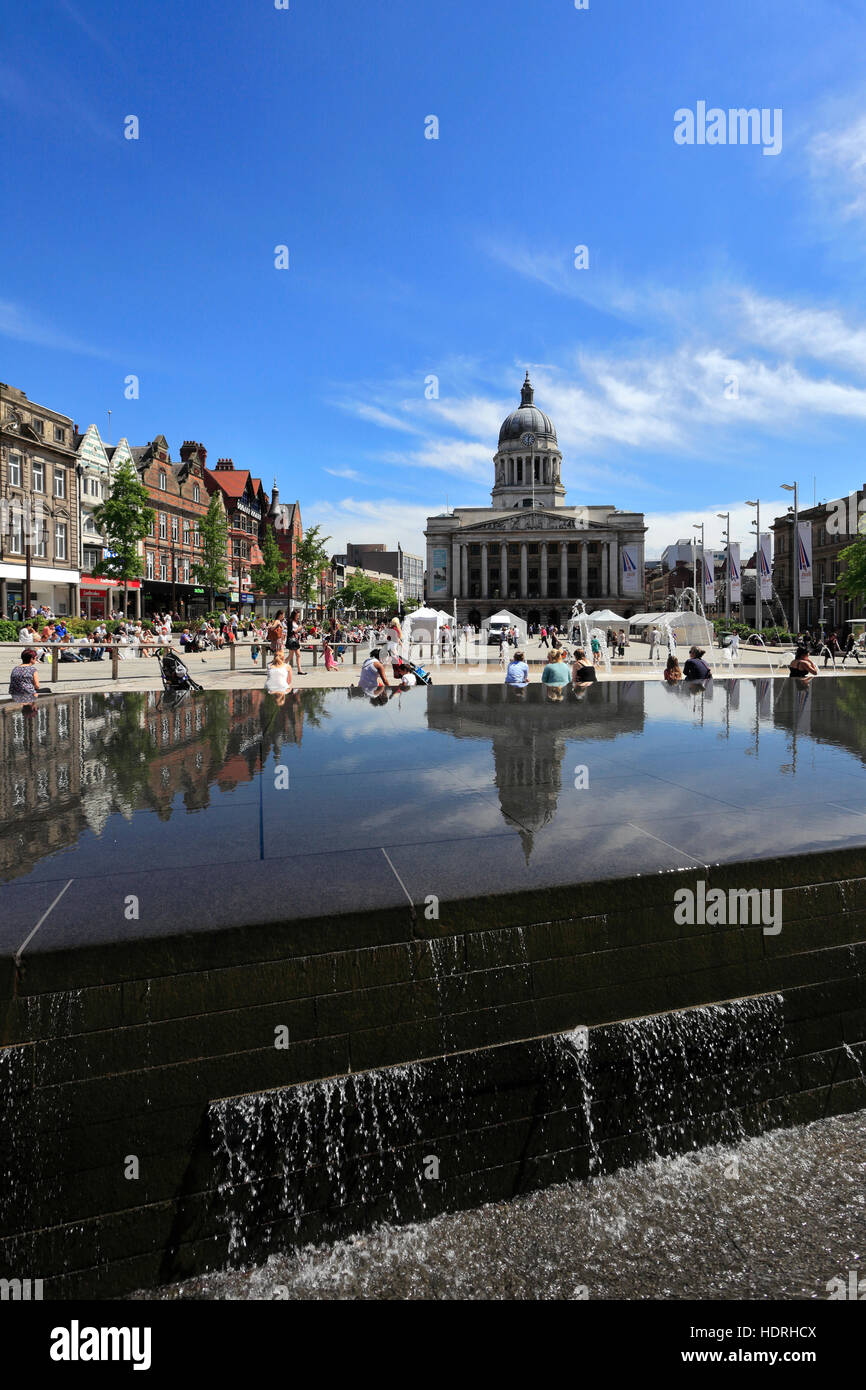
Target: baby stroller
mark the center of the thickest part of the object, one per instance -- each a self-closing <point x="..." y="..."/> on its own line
<point x="402" y="668"/>
<point x="176" y="679"/>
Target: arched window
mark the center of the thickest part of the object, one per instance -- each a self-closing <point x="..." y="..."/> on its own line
<point x="195" y="492"/>
<point x="161" y="481"/>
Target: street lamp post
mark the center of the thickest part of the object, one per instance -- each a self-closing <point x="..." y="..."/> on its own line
<point x="726" y="518"/>
<point x="699" y="526"/>
<point x="757" y="525"/>
<point x="792" y="487"/>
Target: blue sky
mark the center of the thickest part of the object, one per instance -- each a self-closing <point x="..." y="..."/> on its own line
<point x="453" y="257"/>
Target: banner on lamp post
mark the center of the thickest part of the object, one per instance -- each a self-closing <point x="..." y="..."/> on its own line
<point x="735" y="578"/>
<point x="630" y="573"/>
<point x="765" y="565"/>
<point x="709" y="579"/>
<point x="804" y="558"/>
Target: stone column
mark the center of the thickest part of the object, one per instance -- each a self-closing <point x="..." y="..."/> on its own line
<point x="542" y="572"/>
<point x="614" y="568"/>
<point x="524" y="580"/>
<point x="74" y="609"/>
<point x="563" y="571"/>
<point x="138" y="604"/>
<point x="503" y="571"/>
<point x="3" y="613"/>
<point x="464" y="570"/>
<point x="604" y="567"/>
<point x="584" y="569"/>
<point x="485" y="590"/>
<point x="455" y="569"/>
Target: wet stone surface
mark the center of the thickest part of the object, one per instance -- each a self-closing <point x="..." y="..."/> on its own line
<point x="776" y="1217"/>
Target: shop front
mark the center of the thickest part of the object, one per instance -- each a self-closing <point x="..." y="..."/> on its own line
<point x="187" y="600"/>
<point x="56" y="590"/>
<point x="100" y="596"/>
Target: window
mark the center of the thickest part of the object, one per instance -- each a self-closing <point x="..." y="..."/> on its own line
<point x="38" y="425"/>
<point x="38" y="475"/>
<point x="162" y="526"/>
<point x="161" y="481"/>
<point x="16" y="533"/>
<point x="149" y="564"/>
<point x="40" y="540"/>
<point x="163" y="569"/>
<point x="91" y="558"/>
<point x="60" y="482"/>
<point x="95" y="489"/>
<point x="196" y="492"/>
<point x="186" y="532"/>
<point x="174" y="528"/>
<point x="186" y="571"/>
<point x="151" y="529"/>
<point x="197" y="536"/>
<point x="59" y="434"/>
<point x="60" y="540"/>
<point x="14" y="470"/>
<point x="236" y="549"/>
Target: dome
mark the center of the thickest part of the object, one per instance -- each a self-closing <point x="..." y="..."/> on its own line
<point x="527" y="419"/>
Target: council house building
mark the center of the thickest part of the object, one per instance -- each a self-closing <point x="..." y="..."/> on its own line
<point x="529" y="552"/>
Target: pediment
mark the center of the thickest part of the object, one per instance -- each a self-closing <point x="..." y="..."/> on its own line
<point x="524" y="521"/>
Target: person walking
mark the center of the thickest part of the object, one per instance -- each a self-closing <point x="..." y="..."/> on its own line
<point x="542" y="637"/>
<point x="831" y="649"/>
<point x="293" y="640"/>
<point x="596" y="651"/>
<point x="655" y="641"/>
<point x="851" y="649"/>
<point x="276" y="633"/>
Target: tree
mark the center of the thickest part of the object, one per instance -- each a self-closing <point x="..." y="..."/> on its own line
<point x="852" y="580"/>
<point x="124" y="520"/>
<point x="311" y="557"/>
<point x="364" y="592"/>
<point x="410" y="604"/>
<point x="274" y="572"/>
<point x="211" y="569"/>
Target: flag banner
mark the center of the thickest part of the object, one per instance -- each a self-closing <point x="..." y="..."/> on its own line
<point x="765" y="565"/>
<point x="804" y="558"/>
<point x="628" y="564"/>
<point x="439" y="583"/>
<point x="734" y="575"/>
<point x="709" y="579"/>
<point x="764" y="699"/>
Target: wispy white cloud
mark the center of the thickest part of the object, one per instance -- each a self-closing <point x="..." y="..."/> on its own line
<point x="384" y="519"/>
<point x="25" y="327"/>
<point x="838" y="164"/>
<point x="349" y="473"/>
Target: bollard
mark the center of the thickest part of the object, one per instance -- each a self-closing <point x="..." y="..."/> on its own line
<point x="55" y="658"/>
<point x="315" y="657"/>
<point x="231" y="656"/>
<point x="115" y="657"/>
<point x="354" y="654"/>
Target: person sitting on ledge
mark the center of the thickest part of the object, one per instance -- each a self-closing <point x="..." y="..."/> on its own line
<point x="672" y="672"/>
<point x="582" y="672"/>
<point x="556" y="672"/>
<point x="517" y="674"/>
<point x="696" y="669"/>
<point x="24" y="679"/>
<point x="802" y="665"/>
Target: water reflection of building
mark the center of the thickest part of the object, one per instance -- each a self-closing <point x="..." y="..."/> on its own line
<point x="528" y="735"/>
<point x="74" y="762"/>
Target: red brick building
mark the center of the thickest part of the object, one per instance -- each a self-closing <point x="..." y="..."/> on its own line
<point x="246" y="505"/>
<point x="179" y="496"/>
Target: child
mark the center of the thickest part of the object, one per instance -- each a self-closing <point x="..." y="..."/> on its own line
<point x="331" y="663"/>
<point x="279" y="680"/>
<point x="672" y="671"/>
